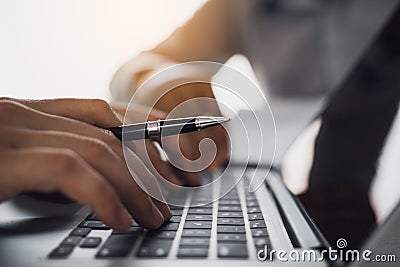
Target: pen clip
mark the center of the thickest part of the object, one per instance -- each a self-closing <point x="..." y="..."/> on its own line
<point x="154" y="129"/>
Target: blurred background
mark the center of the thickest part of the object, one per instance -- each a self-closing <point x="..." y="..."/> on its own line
<point x="72" y="47"/>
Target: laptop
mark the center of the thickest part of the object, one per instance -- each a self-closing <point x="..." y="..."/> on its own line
<point x="244" y="227"/>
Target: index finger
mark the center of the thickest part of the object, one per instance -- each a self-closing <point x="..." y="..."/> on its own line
<point x="92" y="111"/>
<point x="47" y="169"/>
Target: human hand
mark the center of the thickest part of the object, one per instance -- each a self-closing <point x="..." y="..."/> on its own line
<point x="149" y="151"/>
<point x="54" y="145"/>
<point x="192" y="99"/>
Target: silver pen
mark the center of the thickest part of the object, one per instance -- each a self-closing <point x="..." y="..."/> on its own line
<point x="160" y="128"/>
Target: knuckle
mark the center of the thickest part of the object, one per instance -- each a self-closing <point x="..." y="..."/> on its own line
<point x="101" y="105"/>
<point x="111" y="140"/>
<point x="9" y="106"/>
<point x="102" y="112"/>
<point x="4" y="98"/>
<point x="96" y="148"/>
<point x="63" y="160"/>
<point x="100" y="188"/>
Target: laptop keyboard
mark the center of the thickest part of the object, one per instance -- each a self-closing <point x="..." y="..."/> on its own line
<point x="226" y="228"/>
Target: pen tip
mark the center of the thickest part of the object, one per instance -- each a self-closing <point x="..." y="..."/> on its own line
<point x="223" y="120"/>
<point x="204" y="122"/>
<point x="218" y="120"/>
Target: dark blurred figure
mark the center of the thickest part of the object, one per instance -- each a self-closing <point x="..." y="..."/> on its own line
<point x="354" y="128"/>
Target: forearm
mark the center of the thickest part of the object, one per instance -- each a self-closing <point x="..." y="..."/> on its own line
<point x="209" y="36"/>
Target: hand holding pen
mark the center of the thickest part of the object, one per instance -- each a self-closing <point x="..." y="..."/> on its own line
<point x="160" y="128"/>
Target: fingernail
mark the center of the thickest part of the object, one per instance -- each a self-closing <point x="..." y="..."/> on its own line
<point x="164" y="209"/>
<point x="175" y="180"/>
<point x="157" y="216"/>
<point x="125" y="219"/>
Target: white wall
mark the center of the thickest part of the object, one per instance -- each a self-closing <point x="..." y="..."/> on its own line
<point x="54" y="48"/>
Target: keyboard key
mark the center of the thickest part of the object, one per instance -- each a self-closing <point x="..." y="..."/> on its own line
<point x="203" y="211"/>
<point x="260" y="242"/>
<point x="93" y="217"/>
<point x="61" y="252"/>
<point x="196" y="233"/>
<point x="83" y="232"/>
<point x="161" y="234"/>
<point x="231" y="196"/>
<point x="172" y="207"/>
<point x="256" y="216"/>
<point x="131" y="230"/>
<point x="96" y="225"/>
<point x="71" y="241"/>
<point x="251" y="204"/>
<point x="229" y="202"/>
<point x="251" y="198"/>
<point x="257" y="224"/>
<point x="175" y="219"/>
<point x="230" y="208"/>
<point x="230" y="221"/>
<point x="231" y="229"/>
<point x="117" y="246"/>
<point x="259" y="232"/>
<point x="253" y="210"/>
<point x="197" y="225"/>
<point x="177" y="212"/>
<point x="169" y="226"/>
<point x="154" y="248"/>
<point x="236" y="250"/>
<point x="196" y="242"/>
<point x="198" y="217"/>
<point x="91" y="242"/>
<point x="248" y="193"/>
<point x="227" y="214"/>
<point x="192" y="252"/>
<point x="231" y="238"/>
<point x="201" y="205"/>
